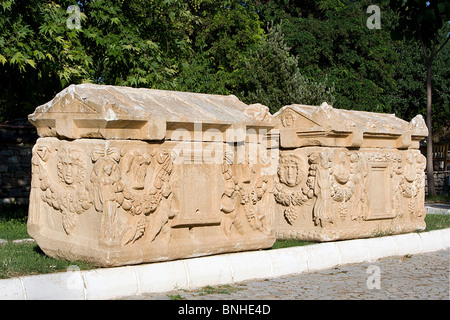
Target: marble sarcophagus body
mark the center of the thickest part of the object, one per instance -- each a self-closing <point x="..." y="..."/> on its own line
<point x="347" y="174"/>
<point x="125" y="176"/>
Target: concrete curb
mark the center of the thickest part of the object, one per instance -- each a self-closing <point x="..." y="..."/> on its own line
<point x="437" y="209"/>
<point x="112" y="283"/>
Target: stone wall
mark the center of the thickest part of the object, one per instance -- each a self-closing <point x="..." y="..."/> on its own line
<point x="16" y="140"/>
<point x="441" y="180"/>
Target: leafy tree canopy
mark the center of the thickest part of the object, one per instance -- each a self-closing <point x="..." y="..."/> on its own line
<point x="223" y="47"/>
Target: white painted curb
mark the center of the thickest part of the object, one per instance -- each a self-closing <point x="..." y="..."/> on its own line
<point x="111" y="283"/>
<point x="437" y="210"/>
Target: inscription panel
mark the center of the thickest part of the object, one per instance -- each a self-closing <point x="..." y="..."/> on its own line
<point x="380" y="192"/>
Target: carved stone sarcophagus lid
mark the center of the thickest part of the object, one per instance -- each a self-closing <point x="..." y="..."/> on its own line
<point x="126" y="176"/>
<point x="347" y="174"/>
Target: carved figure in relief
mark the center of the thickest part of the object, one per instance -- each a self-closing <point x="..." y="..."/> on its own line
<point x="137" y="166"/>
<point x="321" y="164"/>
<point x="290" y="170"/>
<point x="397" y="168"/>
<point x="359" y="174"/>
<point x="144" y="206"/>
<point x="347" y="180"/>
<point x="342" y="187"/>
<point x="241" y="196"/>
<point x="107" y="189"/>
<point x="287" y="118"/>
<point x="420" y="182"/>
<point x="40" y="155"/>
<point x="69" y="195"/>
<point x="411" y="184"/>
<point x="295" y="187"/>
<point x="229" y="197"/>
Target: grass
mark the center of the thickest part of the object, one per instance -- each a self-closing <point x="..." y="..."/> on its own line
<point x="220" y="289"/>
<point x="25" y="258"/>
<point x="176" y="297"/>
<point x="28" y="259"/>
<point x="13" y="222"/>
<point x="290" y="243"/>
<point x="437" y="199"/>
<point x="437" y="221"/>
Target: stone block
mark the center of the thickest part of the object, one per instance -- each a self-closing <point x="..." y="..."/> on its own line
<point x="408" y="244"/>
<point x="446" y="237"/>
<point x="432" y="241"/>
<point x="7" y="152"/>
<point x="14" y="160"/>
<point x="353" y="251"/>
<point x="126" y="176"/>
<point x="381" y="247"/>
<point x="348" y="174"/>
<point x="15" y="192"/>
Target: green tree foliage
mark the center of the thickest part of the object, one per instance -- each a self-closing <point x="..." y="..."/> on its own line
<point x="191" y="45"/>
<point x="270" y="75"/>
<point x="330" y="37"/>
<point x="39" y="55"/>
<point x="224" y="32"/>
<point x="423" y="21"/>
<point x="136" y="43"/>
<point x="216" y="46"/>
<point x="410" y="96"/>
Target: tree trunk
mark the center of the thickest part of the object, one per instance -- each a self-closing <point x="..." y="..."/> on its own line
<point x="430" y="177"/>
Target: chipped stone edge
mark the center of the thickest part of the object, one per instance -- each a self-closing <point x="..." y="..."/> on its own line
<point x="216" y="270"/>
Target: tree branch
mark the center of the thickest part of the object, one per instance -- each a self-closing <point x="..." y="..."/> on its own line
<point x="423" y="47"/>
<point x="433" y="52"/>
<point x="445" y="42"/>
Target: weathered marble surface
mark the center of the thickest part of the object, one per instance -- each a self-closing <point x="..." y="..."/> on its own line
<point x="348" y="174"/>
<point x="126" y="176"/>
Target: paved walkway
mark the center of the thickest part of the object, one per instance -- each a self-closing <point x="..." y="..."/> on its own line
<point x="422" y="277"/>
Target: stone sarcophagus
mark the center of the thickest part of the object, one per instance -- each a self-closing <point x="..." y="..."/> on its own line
<point x="347" y="174"/>
<point x="126" y="176"/>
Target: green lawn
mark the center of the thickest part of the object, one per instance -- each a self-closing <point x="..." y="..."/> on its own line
<point x="13" y="222"/>
<point x="437" y="199"/>
<point x="437" y="221"/>
<point x="27" y="258"/>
